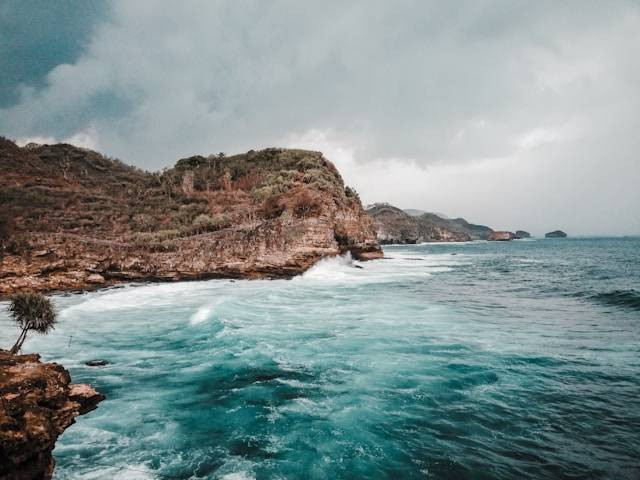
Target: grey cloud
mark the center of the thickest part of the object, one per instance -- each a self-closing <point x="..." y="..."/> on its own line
<point x="37" y="35"/>
<point x="433" y="83"/>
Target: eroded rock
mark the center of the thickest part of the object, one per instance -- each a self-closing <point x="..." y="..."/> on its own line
<point x="37" y="403"/>
<point x="501" y="236"/>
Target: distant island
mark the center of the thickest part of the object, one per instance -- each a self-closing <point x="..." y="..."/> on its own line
<point x="555" y="234"/>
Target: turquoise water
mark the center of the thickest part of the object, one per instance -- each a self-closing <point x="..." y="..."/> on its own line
<point x="449" y="361"/>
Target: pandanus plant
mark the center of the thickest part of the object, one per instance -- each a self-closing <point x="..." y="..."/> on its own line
<point x="31" y="311"/>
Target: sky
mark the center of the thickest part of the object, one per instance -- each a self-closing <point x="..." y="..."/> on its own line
<point x="515" y="114"/>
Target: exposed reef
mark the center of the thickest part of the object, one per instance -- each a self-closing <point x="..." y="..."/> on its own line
<point x="38" y="402"/>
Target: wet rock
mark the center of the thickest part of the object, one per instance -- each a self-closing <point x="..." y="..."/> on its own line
<point x="37" y="403"/>
<point x="97" y="363"/>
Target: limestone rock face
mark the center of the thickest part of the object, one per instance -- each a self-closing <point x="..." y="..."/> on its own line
<point x="501" y="236"/>
<point x="74" y="219"/>
<point x="38" y="402"/>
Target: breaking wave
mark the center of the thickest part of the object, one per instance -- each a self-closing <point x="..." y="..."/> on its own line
<point x="619" y="298"/>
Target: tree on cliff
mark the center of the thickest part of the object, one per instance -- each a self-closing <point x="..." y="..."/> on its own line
<point x="31" y="311"/>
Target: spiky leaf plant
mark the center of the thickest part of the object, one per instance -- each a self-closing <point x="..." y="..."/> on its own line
<point x="31" y="311"/>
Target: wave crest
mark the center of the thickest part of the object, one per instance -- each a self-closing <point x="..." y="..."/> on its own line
<point x="619" y="298"/>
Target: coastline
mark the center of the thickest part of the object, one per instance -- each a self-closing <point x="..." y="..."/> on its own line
<point x="120" y="281"/>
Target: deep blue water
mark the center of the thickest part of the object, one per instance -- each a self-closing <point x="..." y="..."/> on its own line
<point x="449" y="361"/>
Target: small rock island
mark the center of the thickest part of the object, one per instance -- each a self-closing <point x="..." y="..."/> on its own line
<point x="501" y="236"/>
<point x="555" y="234"/>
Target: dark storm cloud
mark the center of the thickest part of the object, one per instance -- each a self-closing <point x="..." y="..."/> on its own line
<point x="37" y="35"/>
<point x="526" y="95"/>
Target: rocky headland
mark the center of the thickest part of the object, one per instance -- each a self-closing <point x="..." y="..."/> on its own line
<point x="75" y="219"/>
<point x="394" y="225"/>
<point x="37" y="403"/>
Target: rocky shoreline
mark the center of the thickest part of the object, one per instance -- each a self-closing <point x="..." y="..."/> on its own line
<point x="38" y="402"/>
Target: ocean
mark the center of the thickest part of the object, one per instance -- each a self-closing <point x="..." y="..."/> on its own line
<point x="443" y="361"/>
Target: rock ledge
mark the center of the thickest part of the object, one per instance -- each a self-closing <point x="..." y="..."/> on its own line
<point x="37" y="403"/>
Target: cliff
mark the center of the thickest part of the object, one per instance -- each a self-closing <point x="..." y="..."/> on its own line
<point x="74" y="218"/>
<point x="38" y="402"/>
<point x="394" y="225"/>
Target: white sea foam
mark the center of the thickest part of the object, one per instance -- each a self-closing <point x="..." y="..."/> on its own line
<point x="125" y="472"/>
<point x="238" y="476"/>
<point x="201" y="315"/>
<point x="345" y="270"/>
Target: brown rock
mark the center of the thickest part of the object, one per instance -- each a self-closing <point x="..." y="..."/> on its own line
<point x="37" y="403"/>
<point x="501" y="236"/>
<point x="95" y="278"/>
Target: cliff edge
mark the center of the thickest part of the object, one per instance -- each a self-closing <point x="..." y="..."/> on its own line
<point x="37" y="403"/>
<point x="75" y="219"/>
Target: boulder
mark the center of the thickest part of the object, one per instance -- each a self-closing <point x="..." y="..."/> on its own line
<point x="95" y="279"/>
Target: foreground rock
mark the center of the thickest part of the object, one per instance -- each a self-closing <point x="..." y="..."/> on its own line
<point x="38" y="402"/>
<point x="74" y="219"/>
<point x="501" y="236"/>
<point x="555" y="234"/>
<point x="394" y="225"/>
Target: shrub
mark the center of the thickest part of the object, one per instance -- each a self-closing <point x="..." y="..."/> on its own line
<point x="351" y="193"/>
<point x="304" y="202"/>
<point x="272" y="206"/>
<point x="203" y="223"/>
<point x="143" y="222"/>
<point x="142" y="239"/>
<point x="187" y="213"/>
